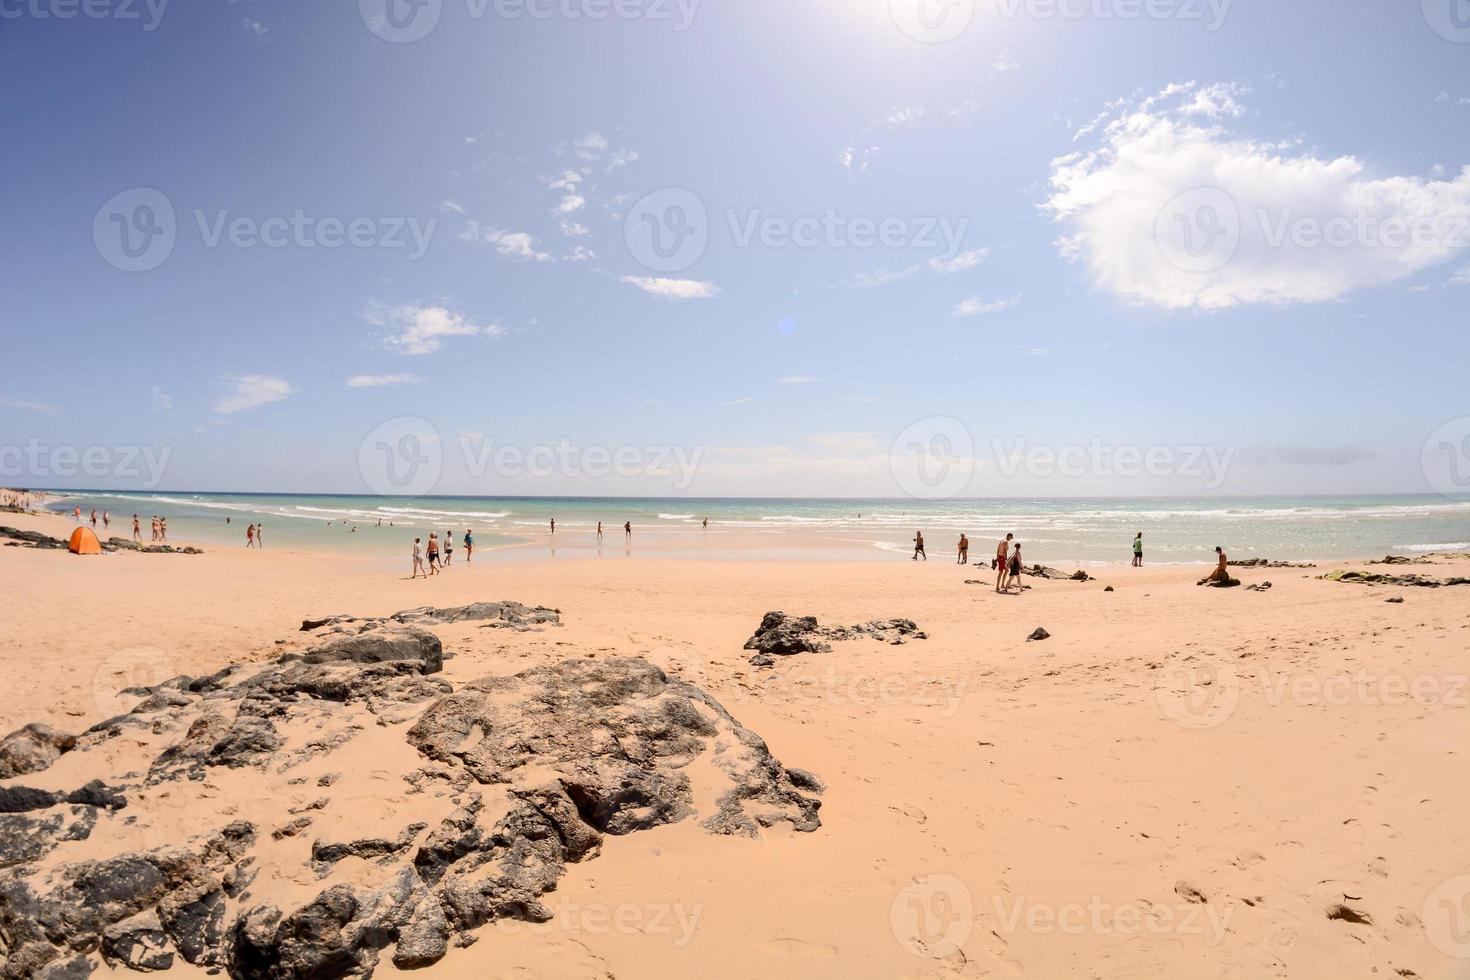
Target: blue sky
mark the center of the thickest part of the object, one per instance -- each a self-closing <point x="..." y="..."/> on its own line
<point x="1051" y="181"/>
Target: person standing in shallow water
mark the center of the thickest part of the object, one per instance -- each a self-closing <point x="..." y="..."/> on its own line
<point x="1138" y="550"/>
<point x="469" y="546"/>
<point x="919" y="545"/>
<point x="964" y="550"/>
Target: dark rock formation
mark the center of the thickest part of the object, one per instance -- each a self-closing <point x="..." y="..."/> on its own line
<point x="1039" y="633"/>
<point x="1263" y="563"/>
<point x="784" y="636"/>
<point x="31" y="539"/>
<point x="535" y="772"/>
<point x="35" y="539"/>
<point x="32" y="749"/>
<point x="498" y="615"/>
<point x="1378" y="578"/>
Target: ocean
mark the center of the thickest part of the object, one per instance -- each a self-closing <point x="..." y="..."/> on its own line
<point x="1053" y="531"/>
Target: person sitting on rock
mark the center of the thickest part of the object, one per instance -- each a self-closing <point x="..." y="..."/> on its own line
<point x="1220" y="574"/>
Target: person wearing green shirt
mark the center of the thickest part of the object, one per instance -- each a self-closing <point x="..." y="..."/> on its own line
<point x="1138" y="550"/>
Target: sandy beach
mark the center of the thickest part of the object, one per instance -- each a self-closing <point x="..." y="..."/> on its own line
<point x="1178" y="782"/>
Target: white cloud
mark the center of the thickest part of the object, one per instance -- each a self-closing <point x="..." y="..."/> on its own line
<point x="879" y="277"/>
<point x="452" y="206"/>
<point x="975" y="306"/>
<point x="903" y="115"/>
<point x="1461" y="277"/>
<point x="255" y="27"/>
<point x="511" y="244"/>
<point x="382" y="380"/>
<point x="591" y="147"/>
<point x="621" y="158"/>
<point x="1171" y="208"/>
<point x="798" y="379"/>
<point x="249" y="391"/>
<point x="961" y="262"/>
<point x="421" y="329"/>
<point x="25" y="405"/>
<point x="162" y="400"/>
<point x="570" y="204"/>
<point x="732" y="403"/>
<point x="675" y="289"/>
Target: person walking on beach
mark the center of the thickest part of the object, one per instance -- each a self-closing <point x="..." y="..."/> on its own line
<point x="1015" y="570"/>
<point x="77" y="512"/>
<point x="469" y="545"/>
<point x="163" y="529"/>
<point x="260" y="535"/>
<point x="448" y="548"/>
<point x="706" y="523"/>
<point x="137" y="530"/>
<point x="1138" y="550"/>
<point x="553" y="525"/>
<point x="919" y="545"/>
<point x="94" y="518"/>
<point x="153" y="535"/>
<point x="964" y="550"/>
<point x="418" y="561"/>
<point x="106" y="520"/>
<point x="628" y="530"/>
<point x="599" y="532"/>
<point x="1002" y="552"/>
<point x="250" y="536"/>
<point x="433" y="554"/>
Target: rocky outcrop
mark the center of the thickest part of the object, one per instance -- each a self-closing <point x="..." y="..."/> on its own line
<point x="35" y="539"/>
<point x="116" y="903"/>
<point x="780" y="635"/>
<point x="1379" y="578"/>
<point x="1046" y="572"/>
<point x="383" y="645"/>
<point x="32" y="749"/>
<point x="535" y="771"/>
<point x="124" y="544"/>
<point x="1263" y="563"/>
<point x="495" y="615"/>
<point x="16" y="538"/>
<point x="606" y="743"/>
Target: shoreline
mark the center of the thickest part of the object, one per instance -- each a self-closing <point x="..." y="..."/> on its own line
<point x="718" y="542"/>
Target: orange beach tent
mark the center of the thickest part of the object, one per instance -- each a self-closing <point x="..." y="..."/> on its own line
<point x="84" y="542"/>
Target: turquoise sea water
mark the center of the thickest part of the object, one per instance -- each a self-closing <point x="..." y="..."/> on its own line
<point x="1053" y="531"/>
